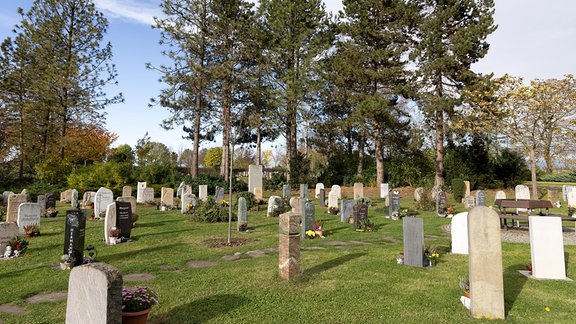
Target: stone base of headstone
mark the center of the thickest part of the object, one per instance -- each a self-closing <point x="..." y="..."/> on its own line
<point x="289" y="256"/>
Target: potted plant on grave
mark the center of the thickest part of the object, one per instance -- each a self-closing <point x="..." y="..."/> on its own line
<point x="332" y="210"/>
<point x="114" y="235"/>
<point x="465" y="286"/>
<point x="364" y="225"/>
<point x="17" y="246"/>
<point x="31" y="230"/>
<point x="67" y="261"/>
<point x="90" y="205"/>
<point x="318" y="229"/>
<point x="137" y="303"/>
<point x="432" y="255"/>
<point x="51" y="212"/>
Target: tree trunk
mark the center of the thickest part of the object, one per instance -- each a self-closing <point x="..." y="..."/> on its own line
<point x="258" y="146"/>
<point x="196" y="144"/>
<point x="546" y="152"/>
<point x="226" y="124"/>
<point x="379" y="158"/>
<point x="439" y="160"/>
<point x="533" y="173"/>
<point x="361" y="141"/>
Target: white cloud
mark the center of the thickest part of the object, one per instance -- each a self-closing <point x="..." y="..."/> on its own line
<point x="140" y="11"/>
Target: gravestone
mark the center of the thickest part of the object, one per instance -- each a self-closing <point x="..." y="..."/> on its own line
<point x="358" y="190"/>
<point x="203" y="192"/>
<point x="74" y="235"/>
<point x="333" y="199"/>
<point x="359" y="213"/>
<point x="140" y="191"/>
<point x="5" y="196"/>
<point x="242" y="224"/>
<point x="304" y="190"/>
<point x="319" y="186"/>
<point x="179" y="192"/>
<point x="547" y="247"/>
<point x="394" y="204"/>
<point x="74" y="198"/>
<point x="322" y="196"/>
<point x="254" y="177"/>
<point x="103" y="198"/>
<point x="521" y="192"/>
<point x="289" y="245"/>
<point x="88" y="198"/>
<point x="14" y="202"/>
<point x="384" y="189"/>
<point x="274" y="203"/>
<point x="188" y="201"/>
<point x="308" y="217"/>
<point x="337" y="190"/>
<point x="128" y="199"/>
<point x="65" y="196"/>
<point x="7" y="231"/>
<point x="167" y="196"/>
<point x="485" y="264"/>
<point x="124" y="218"/>
<point x="346" y="209"/>
<point x="186" y="189"/>
<point x="109" y="221"/>
<point x="441" y="204"/>
<point x="286" y="191"/>
<point x="147" y="194"/>
<point x="413" y="231"/>
<point x="41" y="201"/>
<point x="296" y="204"/>
<point x="218" y="194"/>
<point x="127" y="191"/>
<point x="500" y="195"/>
<point x="28" y="214"/>
<point x="553" y="195"/>
<point x="480" y="198"/>
<point x="466" y="188"/>
<point x="418" y="193"/>
<point x="25" y="193"/>
<point x="51" y="200"/>
<point x="258" y="193"/>
<point x="565" y="190"/>
<point x="572" y="199"/>
<point x="459" y="233"/>
<point x="94" y="294"/>
<point x="469" y="202"/>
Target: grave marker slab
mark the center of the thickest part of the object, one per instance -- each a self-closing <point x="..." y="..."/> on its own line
<point x="572" y="199"/>
<point x="358" y="190"/>
<point x="74" y="199"/>
<point x="139" y="192"/>
<point x="88" y="198"/>
<point x="203" y="192"/>
<point x="41" y="201"/>
<point x="459" y="233"/>
<point x="319" y="186"/>
<point x="485" y="263"/>
<point x="547" y="247"/>
<point x="413" y="229"/>
<point x="286" y="191"/>
<point x="127" y="191"/>
<point x="480" y="198"/>
<point x="522" y="192"/>
<point x="337" y="190"/>
<point x="14" y="202"/>
<point x="28" y="214"/>
<point x="179" y="192"/>
<point x="102" y="199"/>
<point x="109" y="221"/>
<point x="258" y="193"/>
<point x="333" y="199"/>
<point x="308" y="217"/>
<point x="359" y="213"/>
<point x="147" y="194"/>
<point x="218" y="194"/>
<point x="418" y="193"/>
<point x="124" y="218"/>
<point x="394" y="205"/>
<point x="274" y="203"/>
<point x="51" y="200"/>
<point x="469" y="202"/>
<point x="500" y="195"/>
<point x="74" y="235"/>
<point x="128" y="199"/>
<point x="187" y="199"/>
<point x="304" y="190"/>
<point x="254" y="177"/>
<point x="322" y="196"/>
<point x="167" y="196"/>
<point x="346" y="209"/>
<point x="66" y="196"/>
<point x="441" y="204"/>
<point x="384" y="189"/>
<point x="7" y="231"/>
<point x="242" y="224"/>
<point x="565" y="190"/>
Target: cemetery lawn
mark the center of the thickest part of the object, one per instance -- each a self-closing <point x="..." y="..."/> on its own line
<point x="348" y="277"/>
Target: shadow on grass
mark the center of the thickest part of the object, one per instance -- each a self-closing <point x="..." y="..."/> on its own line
<point x="330" y="264"/>
<point x="137" y="237"/>
<point x="201" y="310"/>
<point x="513" y="283"/>
<point x="128" y="254"/>
<point x="157" y="223"/>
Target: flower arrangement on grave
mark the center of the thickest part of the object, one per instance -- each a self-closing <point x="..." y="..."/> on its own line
<point x="224" y="203"/>
<point x="17" y="246"/>
<point x="51" y="212"/>
<point x="432" y="255"/>
<point x="310" y="234"/>
<point x="31" y="230"/>
<point x="90" y="205"/>
<point x="318" y="229"/>
<point x="365" y="225"/>
<point x="528" y="266"/>
<point x="139" y="299"/>
<point x="332" y="210"/>
<point x="114" y="232"/>
<point x="67" y="261"/>
<point x="571" y="211"/>
<point x="465" y="285"/>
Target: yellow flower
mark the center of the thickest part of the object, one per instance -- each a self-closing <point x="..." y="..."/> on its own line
<point x="547" y="308"/>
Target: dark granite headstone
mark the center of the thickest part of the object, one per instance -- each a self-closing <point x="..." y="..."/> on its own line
<point x="124" y="218"/>
<point x="441" y="204"/>
<point x="413" y="241"/>
<point x="394" y="205"/>
<point x="359" y="212"/>
<point x="286" y="191"/>
<point x="74" y="235"/>
<point x="51" y="200"/>
<point x="308" y="217"/>
<point x="219" y="194"/>
<point x="322" y="197"/>
<point x="346" y="209"/>
<point x="480" y="198"/>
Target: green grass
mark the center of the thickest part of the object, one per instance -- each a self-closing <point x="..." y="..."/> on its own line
<point x="351" y="283"/>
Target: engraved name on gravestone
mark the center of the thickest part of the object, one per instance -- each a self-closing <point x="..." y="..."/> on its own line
<point x="286" y="191"/>
<point x="28" y="214"/>
<point x="124" y="218"/>
<point x="480" y="198"/>
<point x="359" y="212"/>
<point x="441" y="204"/>
<point x="74" y="235"/>
<point x="129" y="199"/>
<point x="346" y="209"/>
<point x="413" y="230"/>
<point x="394" y="204"/>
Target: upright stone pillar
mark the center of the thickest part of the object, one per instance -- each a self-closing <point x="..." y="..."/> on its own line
<point x="289" y="247"/>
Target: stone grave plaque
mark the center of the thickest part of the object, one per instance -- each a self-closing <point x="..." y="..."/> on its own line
<point x="7" y="231"/>
<point x="547" y="248"/>
<point x="14" y="202"/>
<point x="140" y="191"/>
<point x="28" y="214"/>
<point x="129" y="199"/>
<point x="480" y="198"/>
<point x="274" y="203"/>
<point x="359" y="212"/>
<point x="66" y="196"/>
<point x="394" y="204"/>
<point x="469" y="202"/>
<point x="322" y="196"/>
<point x="74" y="234"/>
<point x="565" y="190"/>
<point x="147" y="194"/>
<point x="346" y="209"/>
<point x="332" y="199"/>
<point x="459" y="233"/>
<point x="218" y="194"/>
<point x="304" y="190"/>
<point x="41" y="201"/>
<point x="127" y="191"/>
<point x="103" y="198"/>
<point x="167" y="196"/>
<point x="51" y="200"/>
<point x="319" y="186"/>
<point x="337" y="190"/>
<point x="124" y="218"/>
<point x="384" y="190"/>
<point x="187" y="199"/>
<point x="242" y="224"/>
<point x="308" y="217"/>
<point x="286" y="192"/>
<point x="254" y="177"/>
<point x="358" y="190"/>
<point x="413" y="228"/>
<point x="203" y="192"/>
<point x="441" y="204"/>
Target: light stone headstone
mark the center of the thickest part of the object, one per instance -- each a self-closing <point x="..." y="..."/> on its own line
<point x="413" y="232"/>
<point x="553" y="195"/>
<point x="126" y="191"/>
<point x="5" y="196"/>
<point x="14" y="202"/>
<point x="346" y="209"/>
<point x="319" y="186"/>
<point x="459" y="233"/>
<point x="258" y="193"/>
<point x="394" y="204"/>
<point x="218" y="194"/>
<point x="254" y="177"/>
<point x="418" y="193"/>
<point x="186" y="189"/>
<point x="140" y="191"/>
<point x="131" y="200"/>
<point x="242" y="215"/>
<point x="296" y="204"/>
<point x="485" y="264"/>
<point x="179" y="191"/>
<point x="109" y="220"/>
<point x="147" y="194"/>
<point x="187" y="199"/>
<point x="88" y="198"/>
<point x="480" y="198"/>
<point x="103" y="198"/>
<point x="322" y="197"/>
<point x="500" y="195"/>
<point x="522" y="192"/>
<point x="286" y="191"/>
<point x="547" y="247"/>
<point x="28" y="214"/>
<point x="167" y="196"/>
<point x="203" y="192"/>
<point x="469" y="202"/>
<point x="7" y="231"/>
<point x="74" y="198"/>
<point x="466" y="188"/>
<point x="66" y="196"/>
<point x="333" y="199"/>
<point x="358" y="190"/>
<point x="565" y="190"/>
<point x="94" y="294"/>
<point x="337" y="190"/>
<point x="304" y="190"/>
<point x="441" y="204"/>
<point x="274" y="203"/>
<point x="41" y="201"/>
<point x="308" y="217"/>
<point x="384" y="189"/>
<point x="572" y="199"/>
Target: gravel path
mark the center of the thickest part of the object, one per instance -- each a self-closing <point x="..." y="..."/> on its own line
<point x="522" y="235"/>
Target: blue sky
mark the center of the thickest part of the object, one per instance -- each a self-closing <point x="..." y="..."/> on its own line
<point x="533" y="40"/>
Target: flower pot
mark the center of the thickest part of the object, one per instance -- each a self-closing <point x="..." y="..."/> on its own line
<point x="112" y="240"/>
<point x="163" y="208"/>
<point x="467" y="293"/>
<point x="319" y="233"/>
<point x="64" y="265"/>
<point x="135" y="317"/>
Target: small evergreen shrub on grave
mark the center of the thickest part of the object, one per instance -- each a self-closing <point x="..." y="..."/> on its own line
<point x="363" y="200"/>
<point x="426" y="202"/>
<point x="250" y="199"/>
<point x="210" y="211"/>
<point x="284" y="207"/>
<point x="276" y="181"/>
<point x="207" y="179"/>
<point x="458" y="189"/>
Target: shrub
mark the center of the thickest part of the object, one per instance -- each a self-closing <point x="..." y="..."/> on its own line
<point x="458" y="189"/>
<point x="276" y="181"/>
<point x="249" y="197"/>
<point x="210" y="211"/>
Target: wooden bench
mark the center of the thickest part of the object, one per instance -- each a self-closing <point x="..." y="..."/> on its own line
<point x="530" y="206"/>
